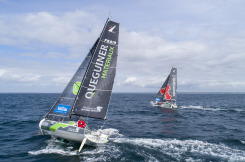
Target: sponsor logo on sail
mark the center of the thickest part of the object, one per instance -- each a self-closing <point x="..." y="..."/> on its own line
<point x="167" y="95"/>
<point x="102" y="63"/>
<point x="99" y="108"/>
<point x="111" y="28"/>
<point x="162" y="91"/>
<point x="76" y="87"/>
<point x="157" y="99"/>
<point x="63" y="109"/>
<point x="96" y="71"/>
<point x="110" y="41"/>
<point x="166" y="92"/>
<point x="107" y="62"/>
<point x="92" y="109"/>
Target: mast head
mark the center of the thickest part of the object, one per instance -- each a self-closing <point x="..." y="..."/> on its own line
<point x="109" y="16"/>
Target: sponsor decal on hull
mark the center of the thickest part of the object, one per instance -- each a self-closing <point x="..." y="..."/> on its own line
<point x="53" y="128"/>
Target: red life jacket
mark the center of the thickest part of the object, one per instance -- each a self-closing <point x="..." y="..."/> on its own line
<point x="81" y="124"/>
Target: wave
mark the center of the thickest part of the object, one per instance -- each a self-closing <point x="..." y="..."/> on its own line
<point x="209" y="108"/>
<point x="147" y="149"/>
<point x="177" y="148"/>
<point x="54" y="148"/>
<point x="201" y="108"/>
<point x="111" y="132"/>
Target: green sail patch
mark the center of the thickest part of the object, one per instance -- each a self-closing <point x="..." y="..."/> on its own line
<point x="76" y="87"/>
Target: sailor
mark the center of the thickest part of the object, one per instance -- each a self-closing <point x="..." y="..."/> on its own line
<point x="81" y="123"/>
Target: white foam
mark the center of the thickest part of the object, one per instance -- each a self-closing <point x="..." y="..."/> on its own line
<point x="239" y="110"/>
<point x="191" y="107"/>
<point x="54" y="148"/>
<point x="201" y="108"/>
<point x="176" y="148"/>
<point x="111" y="132"/>
<point x="104" y="152"/>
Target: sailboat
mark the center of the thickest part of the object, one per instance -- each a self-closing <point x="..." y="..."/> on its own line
<point x="167" y="95"/>
<point x="88" y="93"/>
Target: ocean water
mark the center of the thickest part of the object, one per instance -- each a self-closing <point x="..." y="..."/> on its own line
<point x="205" y="127"/>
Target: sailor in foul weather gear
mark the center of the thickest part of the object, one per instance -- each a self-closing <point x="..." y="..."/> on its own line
<point x="81" y="123"/>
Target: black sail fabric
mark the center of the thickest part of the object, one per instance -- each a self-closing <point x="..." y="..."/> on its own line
<point x="95" y="92"/>
<point x="161" y="93"/>
<point x="64" y="103"/>
<point x="169" y="87"/>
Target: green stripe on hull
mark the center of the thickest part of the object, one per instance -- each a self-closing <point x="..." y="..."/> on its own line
<point x="57" y="125"/>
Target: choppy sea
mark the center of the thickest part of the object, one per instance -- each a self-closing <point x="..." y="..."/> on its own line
<point x="204" y="127"/>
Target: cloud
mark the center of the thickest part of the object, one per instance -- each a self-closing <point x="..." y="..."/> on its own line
<point x="71" y="31"/>
<point x="13" y="76"/>
<point x="145" y="60"/>
<point x="60" y="80"/>
<point x="141" y="82"/>
<point x="208" y="53"/>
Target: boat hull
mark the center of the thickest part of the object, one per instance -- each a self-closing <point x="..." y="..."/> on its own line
<point x="70" y="131"/>
<point x="164" y="105"/>
<point x="64" y="130"/>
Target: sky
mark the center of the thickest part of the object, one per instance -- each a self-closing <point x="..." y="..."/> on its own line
<point x="43" y="42"/>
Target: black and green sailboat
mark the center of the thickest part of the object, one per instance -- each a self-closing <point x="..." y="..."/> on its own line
<point x="88" y="93"/>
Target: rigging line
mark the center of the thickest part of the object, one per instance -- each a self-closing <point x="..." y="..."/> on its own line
<point x="104" y="122"/>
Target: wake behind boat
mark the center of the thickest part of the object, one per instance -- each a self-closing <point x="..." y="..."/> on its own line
<point x="167" y="95"/>
<point x="87" y="94"/>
